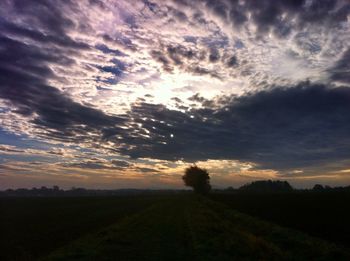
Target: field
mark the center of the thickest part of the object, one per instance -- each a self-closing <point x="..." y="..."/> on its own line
<point x="32" y="227"/>
<point x="163" y="227"/>
<point x="320" y="214"/>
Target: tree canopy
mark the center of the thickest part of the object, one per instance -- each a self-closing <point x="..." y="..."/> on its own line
<point x="198" y="179"/>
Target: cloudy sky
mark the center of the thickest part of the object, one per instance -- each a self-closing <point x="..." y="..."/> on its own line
<point x="127" y="93"/>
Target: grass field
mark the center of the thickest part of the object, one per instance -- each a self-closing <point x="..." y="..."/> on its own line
<point x="321" y="214"/>
<point x="32" y="227"/>
<point x="173" y="227"/>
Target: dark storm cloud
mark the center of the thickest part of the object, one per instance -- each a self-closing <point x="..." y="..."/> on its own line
<point x="161" y="58"/>
<point x="175" y="52"/>
<point x="106" y="49"/>
<point x="270" y="13"/>
<point x="23" y="76"/>
<point x="174" y="56"/>
<point x="147" y="170"/>
<point x="185" y="59"/>
<point x="218" y="7"/>
<point x="117" y="70"/>
<point x="126" y="43"/>
<point x="176" y="99"/>
<point x="95" y="163"/>
<point x="44" y="14"/>
<point x="214" y="55"/>
<point x="237" y="15"/>
<point x="55" y="38"/>
<point x="284" y="128"/>
<point x="177" y="14"/>
<point x="120" y="163"/>
<point x="232" y="61"/>
<point x="197" y="70"/>
<point x="85" y="165"/>
<point x="276" y="15"/>
<point x="25" y="71"/>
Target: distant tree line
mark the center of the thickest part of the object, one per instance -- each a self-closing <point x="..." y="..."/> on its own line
<point x="261" y="186"/>
<point x="266" y="186"/>
<point x="55" y="191"/>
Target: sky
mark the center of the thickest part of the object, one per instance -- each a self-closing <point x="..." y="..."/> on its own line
<point x="128" y="93"/>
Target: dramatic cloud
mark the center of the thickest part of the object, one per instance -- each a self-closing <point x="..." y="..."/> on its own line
<point x="284" y="128"/>
<point x="138" y="86"/>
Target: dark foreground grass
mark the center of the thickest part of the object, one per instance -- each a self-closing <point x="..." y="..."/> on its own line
<point x="320" y="214"/>
<point x="33" y="227"/>
<point x="195" y="228"/>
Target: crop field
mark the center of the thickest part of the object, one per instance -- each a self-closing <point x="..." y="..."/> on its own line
<point x="163" y="227"/>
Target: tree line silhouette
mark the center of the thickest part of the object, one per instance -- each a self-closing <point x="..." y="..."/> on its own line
<point x="194" y="176"/>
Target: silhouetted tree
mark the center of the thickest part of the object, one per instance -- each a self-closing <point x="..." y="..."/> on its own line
<point x="318" y="187"/>
<point x="198" y="179"/>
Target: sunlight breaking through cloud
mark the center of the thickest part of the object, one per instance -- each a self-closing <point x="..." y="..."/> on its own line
<point x="98" y="86"/>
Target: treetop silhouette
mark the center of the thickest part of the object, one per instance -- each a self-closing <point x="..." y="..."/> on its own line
<point x="198" y="179"/>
